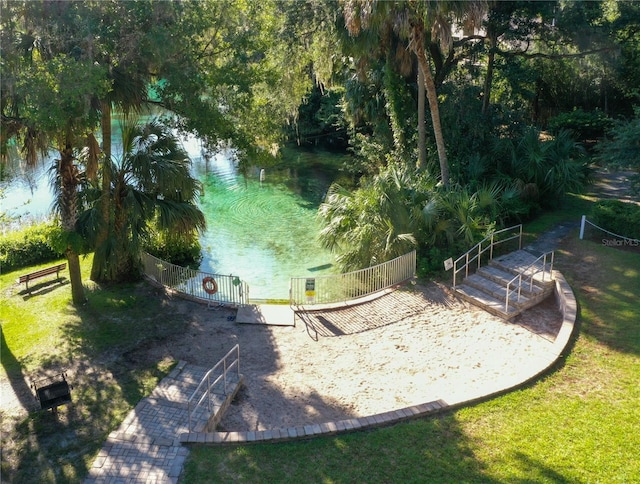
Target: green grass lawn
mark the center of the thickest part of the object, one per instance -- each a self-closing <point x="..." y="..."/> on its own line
<point x="578" y="424"/>
<point x="45" y="333"/>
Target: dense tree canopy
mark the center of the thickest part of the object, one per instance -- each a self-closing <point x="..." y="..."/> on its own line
<point x="342" y="73"/>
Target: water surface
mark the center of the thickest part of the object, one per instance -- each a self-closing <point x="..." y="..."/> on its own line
<point x="263" y="232"/>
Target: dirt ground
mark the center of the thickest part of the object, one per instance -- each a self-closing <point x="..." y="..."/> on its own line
<point x="408" y="347"/>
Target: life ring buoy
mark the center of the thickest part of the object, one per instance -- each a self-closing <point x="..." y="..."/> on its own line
<point x="209" y="285"/>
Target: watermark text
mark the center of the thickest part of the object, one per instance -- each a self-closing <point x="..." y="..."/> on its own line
<point x="621" y="242"/>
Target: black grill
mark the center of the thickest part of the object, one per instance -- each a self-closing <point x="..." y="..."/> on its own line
<point x="53" y="392"/>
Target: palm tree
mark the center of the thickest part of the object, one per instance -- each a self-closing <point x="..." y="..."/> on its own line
<point x="413" y="20"/>
<point x="67" y="178"/>
<point x="129" y="74"/>
<point x="373" y="224"/>
<point x="151" y="189"/>
<point x="47" y="87"/>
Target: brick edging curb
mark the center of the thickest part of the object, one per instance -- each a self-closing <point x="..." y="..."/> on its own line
<point x="313" y="430"/>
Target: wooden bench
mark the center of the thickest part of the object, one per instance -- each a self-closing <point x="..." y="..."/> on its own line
<point x="42" y="273"/>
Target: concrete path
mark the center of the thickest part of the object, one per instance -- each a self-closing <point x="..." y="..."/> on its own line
<point x="551" y="240"/>
<point x="269" y="314"/>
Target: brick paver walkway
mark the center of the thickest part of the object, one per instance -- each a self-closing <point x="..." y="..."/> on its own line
<point x="146" y="447"/>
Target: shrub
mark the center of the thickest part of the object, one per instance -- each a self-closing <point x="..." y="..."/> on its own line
<point x="546" y="170"/>
<point x="179" y="249"/>
<point x="30" y="246"/>
<point x="584" y="125"/>
<point x="621" y="218"/>
<point x="430" y="260"/>
<point x="622" y="147"/>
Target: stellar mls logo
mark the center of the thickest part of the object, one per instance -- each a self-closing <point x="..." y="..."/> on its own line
<point x="621" y="242"/>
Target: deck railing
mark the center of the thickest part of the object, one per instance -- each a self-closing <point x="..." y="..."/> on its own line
<point x="219" y="373"/>
<point x="488" y="244"/>
<point x="334" y="288"/>
<point x="190" y="282"/>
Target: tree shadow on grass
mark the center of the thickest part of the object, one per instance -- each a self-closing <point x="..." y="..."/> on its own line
<point x="106" y="385"/>
<point x="42" y="288"/>
<point x="538" y="472"/>
<point x="433" y="449"/>
<point x="606" y="284"/>
<point x="15" y="374"/>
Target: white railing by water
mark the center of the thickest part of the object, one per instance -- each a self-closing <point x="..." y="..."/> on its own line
<point x="221" y="290"/>
<point x="335" y="288"/>
<point x="487" y="244"/>
<point x="219" y="373"/>
<point x="530" y="272"/>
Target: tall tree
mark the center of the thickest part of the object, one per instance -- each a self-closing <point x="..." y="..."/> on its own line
<point x="418" y="22"/>
<point x="120" y="37"/>
<point x="568" y="46"/>
<point x="46" y="102"/>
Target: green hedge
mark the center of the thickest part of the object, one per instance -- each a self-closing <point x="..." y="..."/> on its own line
<point x="585" y="125"/>
<point x="29" y="246"/>
<point x="36" y="244"/>
<point x="621" y="218"/>
<point x="182" y="249"/>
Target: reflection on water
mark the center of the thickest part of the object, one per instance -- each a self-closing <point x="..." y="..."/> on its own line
<point x="263" y="233"/>
<point x="27" y="194"/>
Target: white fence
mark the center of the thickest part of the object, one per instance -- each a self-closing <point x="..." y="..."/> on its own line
<point x="334" y="288"/>
<point x="608" y="238"/>
<point x="211" y="288"/>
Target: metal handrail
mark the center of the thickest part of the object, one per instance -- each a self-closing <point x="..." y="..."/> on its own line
<point x="226" y="368"/>
<point x="522" y="273"/>
<point x="229" y="289"/>
<point x="478" y="248"/>
<point x="349" y="286"/>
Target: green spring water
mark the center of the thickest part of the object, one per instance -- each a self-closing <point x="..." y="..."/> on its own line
<point x="263" y="232"/>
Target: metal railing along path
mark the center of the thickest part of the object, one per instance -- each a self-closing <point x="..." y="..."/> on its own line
<point x="228" y="362"/>
<point x="335" y="288"/>
<point x="212" y="288"/>
<point x="486" y="244"/>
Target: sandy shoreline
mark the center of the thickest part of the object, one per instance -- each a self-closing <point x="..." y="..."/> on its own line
<point x="406" y="348"/>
